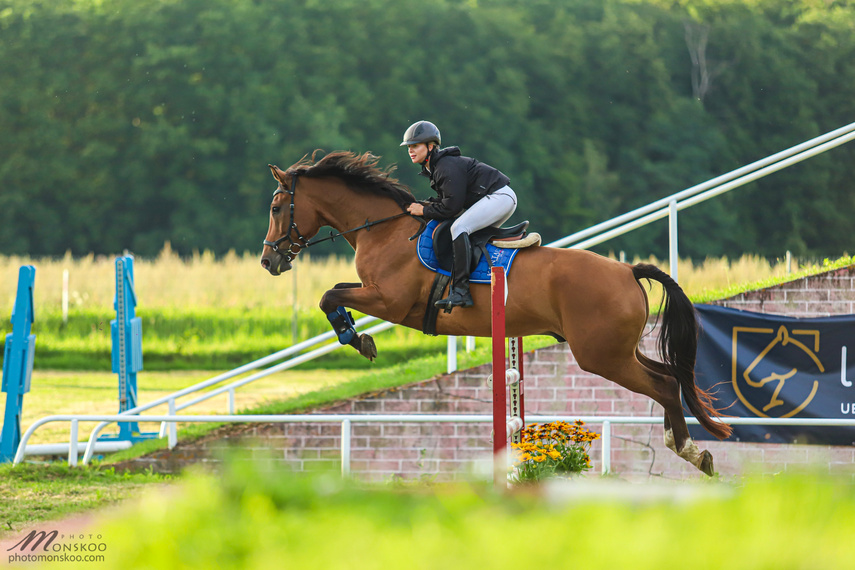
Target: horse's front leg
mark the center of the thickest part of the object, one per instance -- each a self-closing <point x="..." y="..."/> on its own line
<point x="335" y="303"/>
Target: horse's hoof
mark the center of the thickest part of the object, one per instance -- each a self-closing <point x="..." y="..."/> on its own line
<point x="364" y="344"/>
<point x="706" y="464"/>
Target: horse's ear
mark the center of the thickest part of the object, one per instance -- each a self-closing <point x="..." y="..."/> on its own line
<point x="278" y="173"/>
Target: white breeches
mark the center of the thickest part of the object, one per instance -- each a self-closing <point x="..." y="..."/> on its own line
<point x="491" y="210"/>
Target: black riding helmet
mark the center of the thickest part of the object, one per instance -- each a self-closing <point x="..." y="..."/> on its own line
<point x="422" y="132"/>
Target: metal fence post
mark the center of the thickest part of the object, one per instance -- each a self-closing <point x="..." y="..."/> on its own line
<point x="607" y="447"/>
<point x="345" y="447"/>
<point x="673" y="254"/>
<point x="72" y="445"/>
<point x="172" y="428"/>
<point x="452" y="355"/>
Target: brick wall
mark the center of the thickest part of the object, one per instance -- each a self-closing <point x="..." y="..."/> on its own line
<point x="554" y="384"/>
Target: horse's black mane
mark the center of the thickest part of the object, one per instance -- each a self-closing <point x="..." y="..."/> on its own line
<point x="355" y="170"/>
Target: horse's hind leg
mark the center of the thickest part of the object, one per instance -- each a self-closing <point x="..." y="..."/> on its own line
<point x="657" y="367"/>
<point x="705" y="461"/>
<point x="643" y="376"/>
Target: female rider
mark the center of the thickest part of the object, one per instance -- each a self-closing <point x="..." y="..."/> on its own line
<point x="475" y="193"/>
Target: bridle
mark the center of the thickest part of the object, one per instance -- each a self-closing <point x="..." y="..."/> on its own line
<point x="292" y="226"/>
<point x="302" y="242"/>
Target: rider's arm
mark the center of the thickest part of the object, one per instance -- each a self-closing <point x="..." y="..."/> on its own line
<point x="450" y="184"/>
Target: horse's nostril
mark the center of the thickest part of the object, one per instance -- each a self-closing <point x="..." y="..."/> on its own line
<point x="265" y="263"/>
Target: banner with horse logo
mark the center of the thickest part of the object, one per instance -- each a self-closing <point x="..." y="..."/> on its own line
<point x="772" y="366"/>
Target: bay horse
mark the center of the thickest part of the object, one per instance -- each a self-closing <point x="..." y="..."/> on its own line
<point x="596" y="304"/>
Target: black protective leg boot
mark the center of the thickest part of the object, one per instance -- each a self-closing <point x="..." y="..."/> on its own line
<point x="459" y="296"/>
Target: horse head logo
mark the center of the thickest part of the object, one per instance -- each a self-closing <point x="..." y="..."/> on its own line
<point x="783" y="366"/>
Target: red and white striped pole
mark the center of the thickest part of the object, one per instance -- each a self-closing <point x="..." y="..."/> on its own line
<point x="500" y="405"/>
<point x="501" y="374"/>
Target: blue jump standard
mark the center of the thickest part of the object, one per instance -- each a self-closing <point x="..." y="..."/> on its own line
<point x="126" y="331"/>
<point x="18" y="363"/>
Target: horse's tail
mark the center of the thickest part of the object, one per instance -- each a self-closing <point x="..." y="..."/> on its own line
<point x="678" y="347"/>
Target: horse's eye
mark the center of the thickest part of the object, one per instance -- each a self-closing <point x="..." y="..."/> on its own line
<point x="275" y="209"/>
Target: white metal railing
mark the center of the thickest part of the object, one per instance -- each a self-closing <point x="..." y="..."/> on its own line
<point x="170" y="399"/>
<point x="111" y="446"/>
<point x="346" y="421"/>
<point x="230" y="388"/>
<point x="594" y="235"/>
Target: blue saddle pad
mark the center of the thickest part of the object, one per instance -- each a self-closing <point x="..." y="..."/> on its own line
<point x="481" y="274"/>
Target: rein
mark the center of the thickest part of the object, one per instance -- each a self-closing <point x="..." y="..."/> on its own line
<point x="304" y="243"/>
<point x="366" y="225"/>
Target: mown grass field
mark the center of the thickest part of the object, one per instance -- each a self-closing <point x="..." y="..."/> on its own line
<point x="33" y="493"/>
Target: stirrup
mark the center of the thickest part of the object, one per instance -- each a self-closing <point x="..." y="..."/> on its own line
<point x="455" y="299"/>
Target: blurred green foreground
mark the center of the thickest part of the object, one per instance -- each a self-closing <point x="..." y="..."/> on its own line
<point x="255" y="517"/>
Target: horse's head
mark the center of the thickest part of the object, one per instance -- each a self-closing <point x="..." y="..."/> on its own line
<point x="284" y="240"/>
<point x="327" y="197"/>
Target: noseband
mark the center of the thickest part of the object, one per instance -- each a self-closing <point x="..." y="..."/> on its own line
<point x="290" y="254"/>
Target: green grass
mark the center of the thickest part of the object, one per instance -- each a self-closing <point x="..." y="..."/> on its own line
<point x="351" y="386"/>
<point x="34" y="493"/>
<point x="249" y="518"/>
<point x="85" y="392"/>
<point x="723" y="293"/>
<point x="289" y="391"/>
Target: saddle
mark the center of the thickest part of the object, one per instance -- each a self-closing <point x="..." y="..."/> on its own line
<point x="490" y="246"/>
<point x="513" y="237"/>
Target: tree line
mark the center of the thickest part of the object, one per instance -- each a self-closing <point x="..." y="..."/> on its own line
<point x="129" y="123"/>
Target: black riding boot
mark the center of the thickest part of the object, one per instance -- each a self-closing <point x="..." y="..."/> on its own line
<point x="459" y="296"/>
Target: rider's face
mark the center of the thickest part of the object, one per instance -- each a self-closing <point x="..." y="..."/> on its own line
<point x="418" y="152"/>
